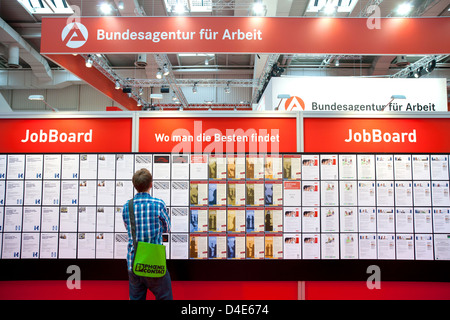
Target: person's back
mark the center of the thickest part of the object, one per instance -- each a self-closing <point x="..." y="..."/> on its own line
<point x="152" y="220"/>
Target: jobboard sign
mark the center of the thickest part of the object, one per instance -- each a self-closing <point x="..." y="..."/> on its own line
<point x="355" y="94"/>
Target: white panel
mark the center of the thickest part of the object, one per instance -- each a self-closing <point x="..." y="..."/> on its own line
<point x="92" y="100"/>
<point x="64" y="99"/>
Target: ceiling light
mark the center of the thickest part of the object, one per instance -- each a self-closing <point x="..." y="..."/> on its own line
<point x="89" y="62"/>
<point x="105" y="8"/>
<point x="139" y="103"/>
<point x="179" y="7"/>
<point x="141" y="91"/>
<point x="159" y="74"/>
<point x="120" y="5"/>
<point x="166" y="70"/>
<point x="337" y="63"/>
<point x="329" y="9"/>
<point x="227" y="88"/>
<point x="430" y="66"/>
<point x="117" y="86"/>
<point x="404" y="9"/>
<point x="258" y="8"/>
<point x="206" y="62"/>
<point x="194" y="88"/>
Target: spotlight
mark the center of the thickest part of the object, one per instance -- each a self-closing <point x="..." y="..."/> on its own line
<point x="337" y="63"/>
<point x="105" y="8"/>
<point x="227" y="88"/>
<point x="430" y="66"/>
<point x="329" y="9"/>
<point x="166" y="70"/>
<point x="141" y="91"/>
<point x="139" y="103"/>
<point x="194" y="88"/>
<point x="258" y="8"/>
<point x="120" y="5"/>
<point x="206" y="62"/>
<point x="89" y="62"/>
<point x="404" y="9"/>
<point x="159" y="74"/>
<point x="117" y="85"/>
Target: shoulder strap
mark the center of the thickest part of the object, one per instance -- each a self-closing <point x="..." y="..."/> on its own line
<point x="132" y="221"/>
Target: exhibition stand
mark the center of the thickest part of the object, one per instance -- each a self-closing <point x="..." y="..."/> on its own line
<point x="261" y="202"/>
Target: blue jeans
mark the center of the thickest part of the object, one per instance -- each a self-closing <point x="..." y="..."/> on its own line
<point x="160" y="287"/>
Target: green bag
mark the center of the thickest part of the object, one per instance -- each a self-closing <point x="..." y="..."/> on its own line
<point x="149" y="258"/>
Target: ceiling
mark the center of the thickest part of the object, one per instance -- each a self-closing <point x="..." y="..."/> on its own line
<point x="229" y="66"/>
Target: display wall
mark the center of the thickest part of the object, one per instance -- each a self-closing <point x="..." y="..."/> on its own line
<point x="235" y="216"/>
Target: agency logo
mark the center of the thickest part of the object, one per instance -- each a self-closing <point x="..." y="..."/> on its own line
<point x="74" y="35"/>
<point x="294" y="103"/>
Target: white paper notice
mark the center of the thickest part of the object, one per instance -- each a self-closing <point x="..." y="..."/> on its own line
<point x="255" y="220"/>
<point x="422" y="220"/>
<point x="52" y="166"/>
<point x="86" y="246"/>
<point x="198" y="193"/>
<point x="422" y="194"/>
<point x="273" y="247"/>
<point x="402" y="167"/>
<point x="292" y="219"/>
<point x="88" y="166"/>
<point x="217" y="219"/>
<point x="442" y="246"/>
<point x="86" y="219"/>
<point x="180" y="167"/>
<point x="330" y="219"/>
<point x="16" y="166"/>
<point x="255" y="167"/>
<point x="255" y="193"/>
<point x="441" y="220"/>
<point x="198" y="220"/>
<point x="217" y="246"/>
<point x="14" y="192"/>
<point x="348" y="219"/>
<point x="120" y="245"/>
<point x="439" y="167"/>
<point x="104" y="245"/>
<point x="347" y="167"/>
<point x="49" y="246"/>
<point x="88" y="193"/>
<point x="50" y="219"/>
<point x="34" y="166"/>
<point x="329" y="191"/>
<point x="69" y="192"/>
<point x="310" y="219"/>
<point x="199" y="167"/>
<point x="386" y="246"/>
<point x="292" y="246"/>
<point x="404" y="246"/>
<point x="68" y="219"/>
<point x="13" y="219"/>
<point x="179" y="246"/>
<point x="385" y="193"/>
<point x="273" y="193"/>
<point x="385" y="220"/>
<point x="31" y="219"/>
<point x="404" y="220"/>
<point x="51" y="192"/>
<point x="310" y="193"/>
<point x="236" y="246"/>
<point x="311" y="246"/>
<point x="255" y="247"/>
<point x="292" y="193"/>
<point x="179" y="193"/>
<point x="330" y="245"/>
<point x="179" y="219"/>
<point x="67" y="245"/>
<point x="119" y="225"/>
<point x="198" y="246"/>
<point x="33" y="192"/>
<point x="30" y="246"/>
<point x="3" y="159"/>
<point x="143" y="161"/>
<point x="385" y="167"/>
<point x="329" y="167"/>
<point x="348" y="193"/>
<point x="11" y="245"/>
<point x="217" y="193"/>
<point x="310" y="167"/>
<point x="349" y="246"/>
<point x="105" y="219"/>
<point x="70" y="166"/>
<point x="124" y="192"/>
<point x="366" y="167"/>
<point x="106" y="166"/>
<point x="367" y="219"/>
<point x="424" y="246"/>
<point x="366" y="193"/>
<point x="125" y="168"/>
<point x="106" y="192"/>
<point x="440" y="191"/>
<point x="367" y="246"/>
<point x="421" y="167"/>
<point x="403" y="194"/>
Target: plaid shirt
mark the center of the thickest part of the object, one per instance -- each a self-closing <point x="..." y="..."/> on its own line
<point x="152" y="220"/>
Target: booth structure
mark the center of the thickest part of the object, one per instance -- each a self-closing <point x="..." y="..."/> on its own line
<point x="270" y="205"/>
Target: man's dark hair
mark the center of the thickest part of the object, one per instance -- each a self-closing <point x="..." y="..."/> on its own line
<point x="142" y="180"/>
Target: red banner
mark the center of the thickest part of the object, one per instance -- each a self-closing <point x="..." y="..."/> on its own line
<point x="217" y="135"/>
<point x="376" y="135"/>
<point x="246" y="35"/>
<point x="65" y="135"/>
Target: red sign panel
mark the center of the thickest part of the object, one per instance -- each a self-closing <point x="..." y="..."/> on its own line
<point x="65" y="135"/>
<point x="246" y="35"/>
<point x="376" y="135"/>
<point x="217" y="135"/>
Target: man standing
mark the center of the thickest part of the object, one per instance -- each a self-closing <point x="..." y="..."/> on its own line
<point x="152" y="221"/>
